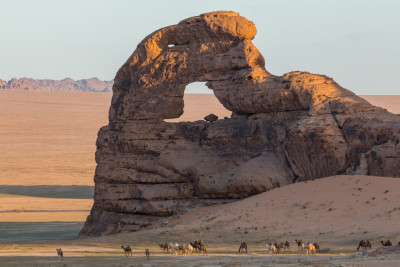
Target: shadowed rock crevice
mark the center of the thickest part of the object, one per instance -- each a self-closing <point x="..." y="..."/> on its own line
<point x="295" y="127"/>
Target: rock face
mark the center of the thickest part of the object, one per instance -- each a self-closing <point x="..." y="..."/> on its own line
<point x="283" y="129"/>
<point x="68" y="84"/>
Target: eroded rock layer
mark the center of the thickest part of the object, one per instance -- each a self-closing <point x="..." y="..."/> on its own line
<point x="283" y="129"/>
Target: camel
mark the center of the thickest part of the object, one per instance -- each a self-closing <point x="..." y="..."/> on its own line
<point x="276" y="245"/>
<point x="175" y="248"/>
<point x="310" y="248"/>
<point x="190" y="248"/>
<point x="316" y="247"/>
<point x="182" y="249"/>
<point x="203" y="249"/>
<point x="387" y="243"/>
<point x="364" y="245"/>
<point x="280" y="246"/>
<point x="60" y="253"/>
<point x="127" y="250"/>
<point x="198" y="246"/>
<point x="300" y="244"/>
<point x="286" y="246"/>
<point x="271" y="248"/>
<point x="164" y="246"/>
<point x="243" y="247"/>
<point x="194" y="246"/>
<point x="147" y="252"/>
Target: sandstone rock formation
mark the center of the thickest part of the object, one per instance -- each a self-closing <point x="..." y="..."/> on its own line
<point x="68" y="84"/>
<point x="283" y="129"/>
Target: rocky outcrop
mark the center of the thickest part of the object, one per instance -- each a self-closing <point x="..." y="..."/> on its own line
<point x="283" y="129"/>
<point x="68" y="84"/>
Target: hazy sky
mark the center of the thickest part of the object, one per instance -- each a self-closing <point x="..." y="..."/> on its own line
<point x="355" y="42"/>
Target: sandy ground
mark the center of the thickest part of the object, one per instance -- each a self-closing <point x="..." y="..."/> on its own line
<point x="335" y="212"/>
<point x="15" y="208"/>
<point x="48" y="139"/>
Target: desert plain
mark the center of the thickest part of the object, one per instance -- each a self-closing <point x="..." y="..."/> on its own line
<point x="47" y="163"/>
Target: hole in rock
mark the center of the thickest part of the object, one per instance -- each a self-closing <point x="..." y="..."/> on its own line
<point x="199" y="102"/>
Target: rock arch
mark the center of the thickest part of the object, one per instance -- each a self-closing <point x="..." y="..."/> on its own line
<point x="213" y="47"/>
<point x="294" y="127"/>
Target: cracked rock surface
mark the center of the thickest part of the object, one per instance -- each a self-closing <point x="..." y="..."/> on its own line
<point x="283" y="129"/>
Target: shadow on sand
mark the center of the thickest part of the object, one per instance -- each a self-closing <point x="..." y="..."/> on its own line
<point x="50" y="191"/>
<point x="20" y="232"/>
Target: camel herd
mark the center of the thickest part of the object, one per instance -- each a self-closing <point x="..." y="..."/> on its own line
<point x="182" y="249"/>
<point x="310" y="248"/>
<point x="366" y="244"/>
<point x="200" y="248"/>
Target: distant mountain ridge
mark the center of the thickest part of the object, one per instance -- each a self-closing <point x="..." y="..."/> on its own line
<point x="67" y="84"/>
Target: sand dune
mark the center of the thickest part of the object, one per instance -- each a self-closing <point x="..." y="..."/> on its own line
<point x="334" y="210"/>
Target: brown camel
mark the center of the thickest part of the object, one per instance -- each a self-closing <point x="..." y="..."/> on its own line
<point x="364" y="245"/>
<point x="202" y="248"/>
<point x="286" y="246"/>
<point x="300" y="244"/>
<point x="387" y="243"/>
<point x="127" y="250"/>
<point x="316" y="247"/>
<point x="199" y="246"/>
<point x="147" y="252"/>
<point x="182" y="249"/>
<point x="60" y="253"/>
<point x="164" y="246"/>
<point x="195" y="246"/>
<point x="243" y="247"/>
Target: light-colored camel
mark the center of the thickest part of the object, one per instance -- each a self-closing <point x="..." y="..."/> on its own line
<point x="174" y="247"/>
<point x="190" y="248"/>
<point x="271" y="248"/>
<point x="310" y="248"/>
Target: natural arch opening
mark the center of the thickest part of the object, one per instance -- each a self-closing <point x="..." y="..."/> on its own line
<point x="199" y="102"/>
